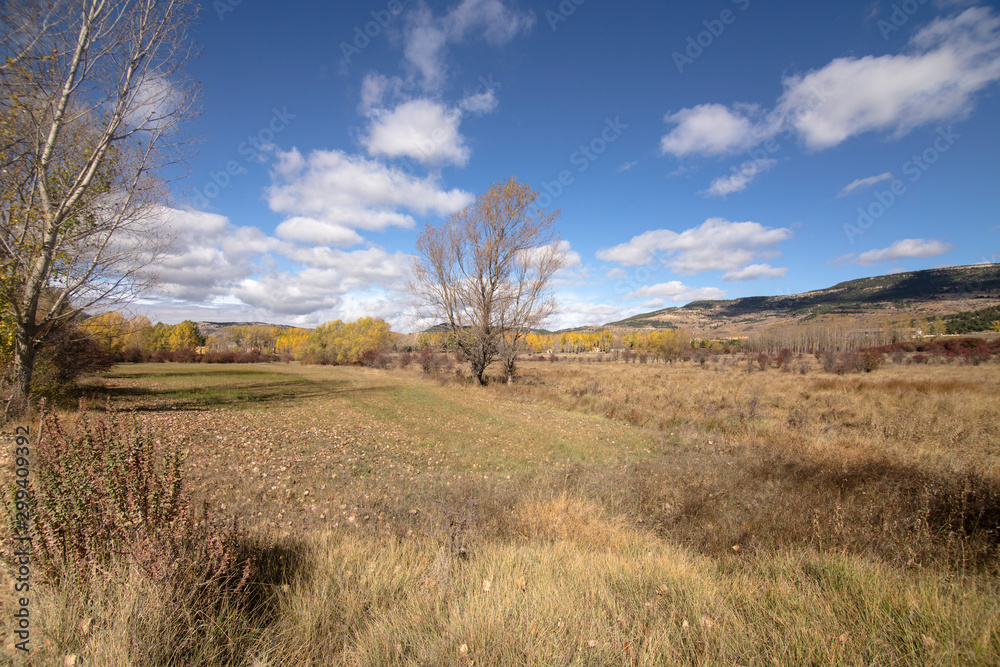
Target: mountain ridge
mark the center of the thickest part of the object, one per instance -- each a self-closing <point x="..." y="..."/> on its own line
<point x="925" y="293"/>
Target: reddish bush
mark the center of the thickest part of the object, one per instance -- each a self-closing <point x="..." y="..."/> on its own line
<point x="870" y="360"/>
<point x="851" y="361"/>
<point x="763" y="361"/>
<point x="134" y="355"/>
<point x="186" y="356"/>
<point x="429" y="360"/>
<point x="374" y="359"/>
<point x="783" y="358"/>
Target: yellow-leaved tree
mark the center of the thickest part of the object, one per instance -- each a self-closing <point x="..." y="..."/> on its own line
<point x="343" y="343"/>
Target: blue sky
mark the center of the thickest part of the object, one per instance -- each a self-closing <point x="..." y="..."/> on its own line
<point x="696" y="150"/>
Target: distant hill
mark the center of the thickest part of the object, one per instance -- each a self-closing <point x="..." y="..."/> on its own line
<point x="929" y="293"/>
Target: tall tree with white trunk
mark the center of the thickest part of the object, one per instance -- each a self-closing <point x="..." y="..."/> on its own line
<point x="92" y="93"/>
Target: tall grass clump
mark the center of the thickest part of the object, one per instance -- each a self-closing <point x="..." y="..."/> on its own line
<point x="111" y="520"/>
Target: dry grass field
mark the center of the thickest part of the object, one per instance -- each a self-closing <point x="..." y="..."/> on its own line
<point x="593" y="514"/>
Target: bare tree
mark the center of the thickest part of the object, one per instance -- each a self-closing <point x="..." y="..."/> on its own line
<point x="487" y="273"/>
<point x="526" y="301"/>
<point x="91" y="96"/>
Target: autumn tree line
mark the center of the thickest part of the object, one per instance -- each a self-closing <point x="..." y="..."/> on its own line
<point x="136" y="339"/>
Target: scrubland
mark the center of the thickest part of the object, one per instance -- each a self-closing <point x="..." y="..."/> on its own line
<point x="592" y="513"/>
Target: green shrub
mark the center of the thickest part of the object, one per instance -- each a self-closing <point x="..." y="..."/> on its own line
<point x="108" y="492"/>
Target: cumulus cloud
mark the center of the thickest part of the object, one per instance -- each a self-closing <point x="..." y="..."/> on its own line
<point x="330" y="192"/>
<point x="329" y="277"/>
<point x="905" y="249"/>
<point x="935" y="79"/>
<point x="717" y="245"/>
<point x="677" y="292"/>
<point x="209" y="254"/>
<point x="427" y="36"/>
<point x="739" y="179"/>
<point x="863" y="183"/>
<point x="713" y="129"/>
<point x="422" y="129"/>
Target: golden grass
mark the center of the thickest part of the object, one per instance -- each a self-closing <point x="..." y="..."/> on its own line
<point x="594" y="514"/>
<point x="935" y="414"/>
<point x="633" y="600"/>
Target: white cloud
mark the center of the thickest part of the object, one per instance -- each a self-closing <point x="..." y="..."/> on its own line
<point x="480" y="103"/>
<point x="571" y="258"/>
<point x="576" y="313"/>
<point x="716" y="245"/>
<point x="640" y="250"/>
<point x="627" y="166"/>
<point x="422" y="129"/>
<point x="329" y="192"/>
<point x="712" y="129"/>
<point x="677" y="292"/>
<point x="936" y="79"/>
<point x="309" y="230"/>
<point x="949" y="61"/>
<point x="209" y="254"/>
<point x="156" y="105"/>
<point x="755" y="272"/>
<point x="424" y="48"/>
<point x="374" y="90"/>
<point x="616" y="274"/>
<point x="740" y="179"/>
<point x="330" y="277"/>
<point x="907" y="248"/>
<point x="862" y="183"/>
<point x="427" y="37"/>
